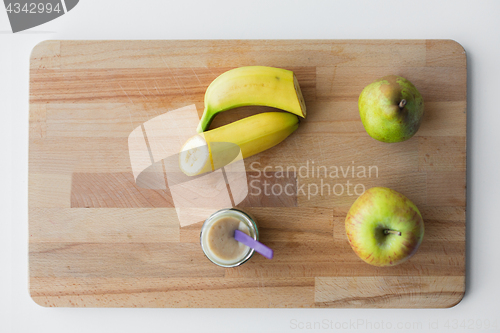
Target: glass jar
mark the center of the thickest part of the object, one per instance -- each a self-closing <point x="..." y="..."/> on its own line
<point x="243" y="217"/>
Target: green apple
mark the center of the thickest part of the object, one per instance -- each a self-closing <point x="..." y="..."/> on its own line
<point x="384" y="228"/>
<point x="391" y="109"/>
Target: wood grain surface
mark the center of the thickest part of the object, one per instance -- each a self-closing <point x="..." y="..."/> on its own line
<point x="96" y="239"/>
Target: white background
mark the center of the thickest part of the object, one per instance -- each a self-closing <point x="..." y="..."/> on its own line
<point x="474" y="24"/>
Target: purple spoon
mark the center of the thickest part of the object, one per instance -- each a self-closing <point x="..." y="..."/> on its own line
<point x="250" y="242"/>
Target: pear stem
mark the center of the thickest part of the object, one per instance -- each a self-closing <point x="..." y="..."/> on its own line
<point x="388" y="231"/>
<point x="402" y="104"/>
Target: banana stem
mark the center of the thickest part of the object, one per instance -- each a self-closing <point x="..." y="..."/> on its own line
<point x="394" y="232"/>
<point x="205" y="121"/>
<point x="402" y="104"/>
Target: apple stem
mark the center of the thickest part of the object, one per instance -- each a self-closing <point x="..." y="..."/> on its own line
<point x="388" y="231"/>
<point x="402" y="104"/>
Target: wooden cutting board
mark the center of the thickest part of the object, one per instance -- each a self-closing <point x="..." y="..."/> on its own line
<point x="96" y="239"/>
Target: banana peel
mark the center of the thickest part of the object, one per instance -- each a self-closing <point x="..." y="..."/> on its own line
<point x="252" y="85"/>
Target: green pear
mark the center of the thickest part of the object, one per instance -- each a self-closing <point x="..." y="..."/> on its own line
<point x="391" y="109"/>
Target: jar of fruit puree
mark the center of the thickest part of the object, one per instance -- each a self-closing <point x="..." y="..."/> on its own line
<point x="217" y="237"/>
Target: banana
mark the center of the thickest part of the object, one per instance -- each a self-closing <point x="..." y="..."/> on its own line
<point x="252" y="85"/>
<point x="213" y="149"/>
